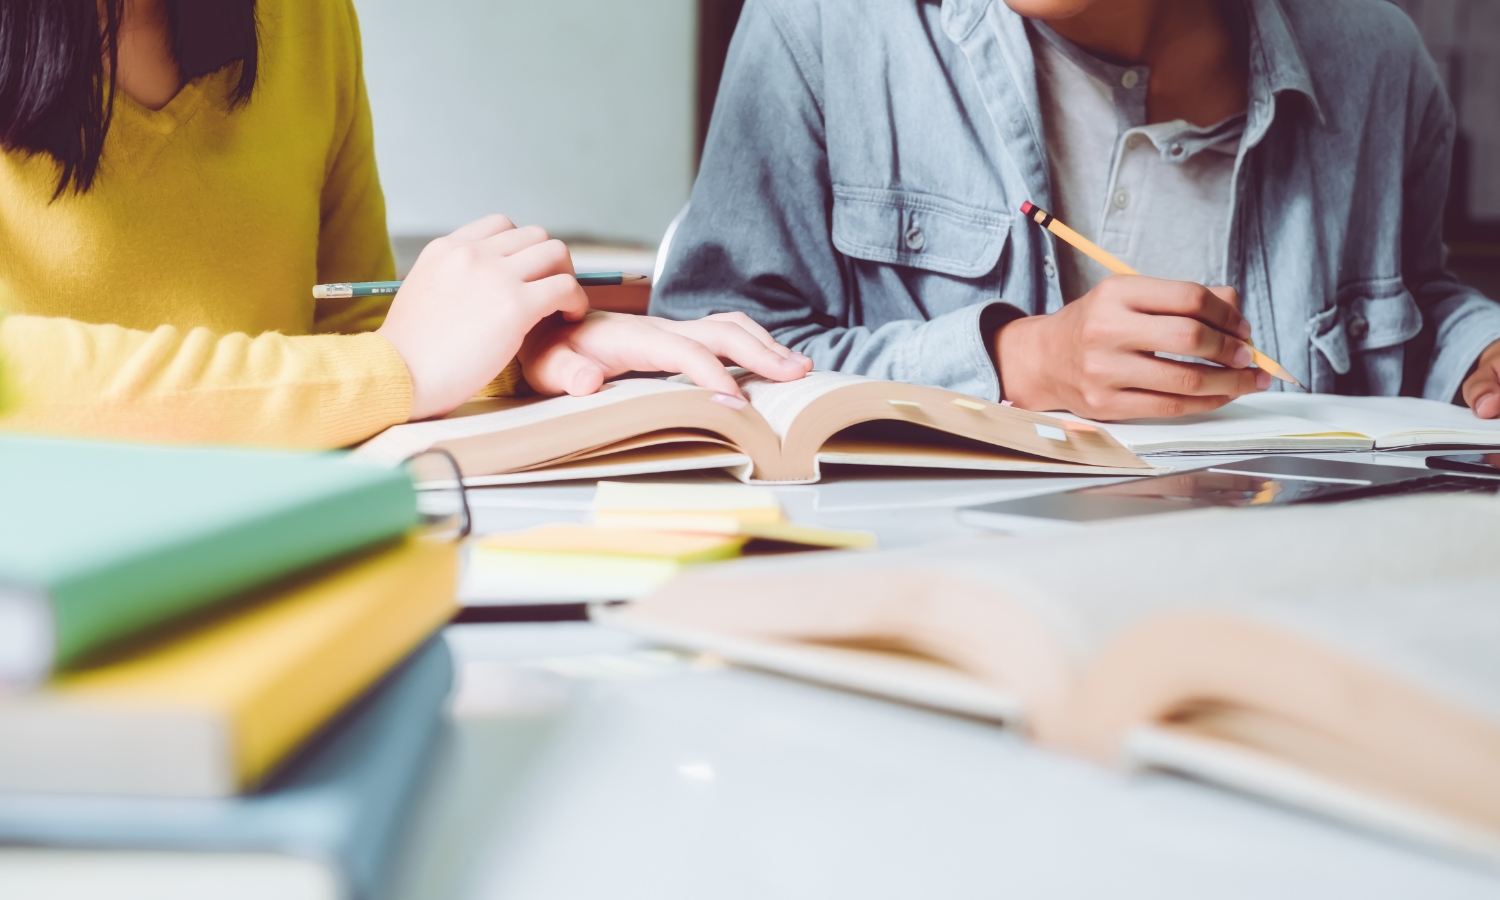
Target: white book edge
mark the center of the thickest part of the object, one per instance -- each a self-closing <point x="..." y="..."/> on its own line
<point x="54" y="744"/>
<point x="734" y="462"/>
<point x="1258" y="775"/>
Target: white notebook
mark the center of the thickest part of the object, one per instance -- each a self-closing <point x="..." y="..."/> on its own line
<point x="1289" y="422"/>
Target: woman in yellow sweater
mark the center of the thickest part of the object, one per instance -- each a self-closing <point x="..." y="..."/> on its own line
<point x="177" y="174"/>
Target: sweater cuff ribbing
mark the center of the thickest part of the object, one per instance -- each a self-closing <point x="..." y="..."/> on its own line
<point x="370" y="391"/>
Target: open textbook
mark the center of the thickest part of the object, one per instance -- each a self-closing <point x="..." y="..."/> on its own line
<point x="1345" y="659"/>
<point x="785" y="434"/>
<point x="1283" y="421"/>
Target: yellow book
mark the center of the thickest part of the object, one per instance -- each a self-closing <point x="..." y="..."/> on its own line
<point x="213" y="710"/>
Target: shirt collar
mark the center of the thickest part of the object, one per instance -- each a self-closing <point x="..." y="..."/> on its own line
<point x="1276" y="64"/>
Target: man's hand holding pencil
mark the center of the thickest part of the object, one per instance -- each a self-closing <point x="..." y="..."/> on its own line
<point x="1096" y="357"/>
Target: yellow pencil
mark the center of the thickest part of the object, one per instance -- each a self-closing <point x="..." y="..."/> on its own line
<point x="1109" y="261"/>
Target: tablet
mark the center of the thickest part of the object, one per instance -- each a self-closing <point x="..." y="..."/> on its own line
<point x="1265" y="481"/>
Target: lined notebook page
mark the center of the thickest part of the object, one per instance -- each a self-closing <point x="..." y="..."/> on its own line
<point x="1391" y="421"/>
<point x="1233" y="428"/>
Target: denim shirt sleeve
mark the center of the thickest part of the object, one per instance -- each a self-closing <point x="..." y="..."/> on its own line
<point x="758" y="235"/>
<point x="1463" y="321"/>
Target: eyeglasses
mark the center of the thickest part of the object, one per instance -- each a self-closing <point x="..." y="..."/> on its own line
<point x="442" y="499"/>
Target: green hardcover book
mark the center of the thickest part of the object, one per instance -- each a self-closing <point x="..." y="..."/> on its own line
<point x="100" y="542"/>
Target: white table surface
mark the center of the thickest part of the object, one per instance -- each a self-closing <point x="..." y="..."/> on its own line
<point x="582" y="763"/>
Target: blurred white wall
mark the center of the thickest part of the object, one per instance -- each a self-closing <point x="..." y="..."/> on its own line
<point x="577" y="116"/>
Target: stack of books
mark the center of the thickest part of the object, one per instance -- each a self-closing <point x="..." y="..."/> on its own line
<point x="216" y="667"/>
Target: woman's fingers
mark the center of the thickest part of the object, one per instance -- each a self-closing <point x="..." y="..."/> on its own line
<point x="1169" y="376"/>
<point x="514" y="240"/>
<point x="480" y="229"/>
<point x="727" y="339"/>
<point x="560" y="369"/>
<point x="557" y="294"/>
<point x="540" y="261"/>
<point x="758" y="332"/>
<point x="659" y="350"/>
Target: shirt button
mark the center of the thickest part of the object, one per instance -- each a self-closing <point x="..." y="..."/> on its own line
<point x="915" y="239"/>
<point x="1049" y="267"/>
<point x="1122" y="199"/>
<point x="1130" y="79"/>
<point x="1358" y="327"/>
<point x="1175" y="150"/>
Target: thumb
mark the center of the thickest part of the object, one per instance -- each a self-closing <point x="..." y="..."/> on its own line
<point x="559" y="369"/>
<point x="1482" y="393"/>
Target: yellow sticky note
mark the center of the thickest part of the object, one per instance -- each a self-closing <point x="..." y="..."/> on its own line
<point x="591" y="540"/>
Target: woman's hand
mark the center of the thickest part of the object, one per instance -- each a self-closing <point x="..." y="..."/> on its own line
<point x="577" y="358"/>
<point x="1481" y="389"/>
<point x="1095" y="356"/>
<point x="461" y="314"/>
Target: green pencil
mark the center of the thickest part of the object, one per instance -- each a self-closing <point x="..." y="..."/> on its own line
<point x="377" y="288"/>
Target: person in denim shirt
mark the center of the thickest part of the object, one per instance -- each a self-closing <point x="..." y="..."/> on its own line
<point x="860" y="188"/>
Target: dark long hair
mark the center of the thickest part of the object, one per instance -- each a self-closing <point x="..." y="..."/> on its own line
<point x="57" y="71"/>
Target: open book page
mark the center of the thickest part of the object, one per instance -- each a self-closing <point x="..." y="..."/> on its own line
<point x="1236" y="427"/>
<point x="1092" y="584"/>
<point x="1442" y="635"/>
<point x="399" y="442"/>
<point x="1392" y="421"/>
<point x="1074" y="592"/>
<point x="780" y="403"/>
<point x="1379" y="706"/>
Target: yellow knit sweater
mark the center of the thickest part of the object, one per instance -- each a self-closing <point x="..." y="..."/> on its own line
<point x="173" y="300"/>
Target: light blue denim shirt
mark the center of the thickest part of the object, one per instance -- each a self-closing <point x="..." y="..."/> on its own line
<point x="859" y="194"/>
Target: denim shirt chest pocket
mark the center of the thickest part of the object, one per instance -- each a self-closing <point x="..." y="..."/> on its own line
<point x="923" y="231"/>
<point x="1367" y="316"/>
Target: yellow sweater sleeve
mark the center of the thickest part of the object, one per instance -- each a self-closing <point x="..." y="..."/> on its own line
<point x="353" y="244"/>
<point x="310" y="391"/>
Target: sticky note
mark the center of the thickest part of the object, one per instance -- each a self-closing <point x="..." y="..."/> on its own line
<point x="1051" y="432"/>
<point x="592" y="540"/>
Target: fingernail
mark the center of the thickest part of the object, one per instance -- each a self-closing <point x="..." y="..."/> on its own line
<point x="1243" y="332"/>
<point x="1262" y="379"/>
<point x="1480" y="406"/>
<point x="1242" y="357"/>
<point x="805" y="360"/>
<point x="730" y="401"/>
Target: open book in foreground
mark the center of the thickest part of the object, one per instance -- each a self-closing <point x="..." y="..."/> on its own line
<point x="1290" y="422"/>
<point x="1338" y="658"/>
<point x="788" y="431"/>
